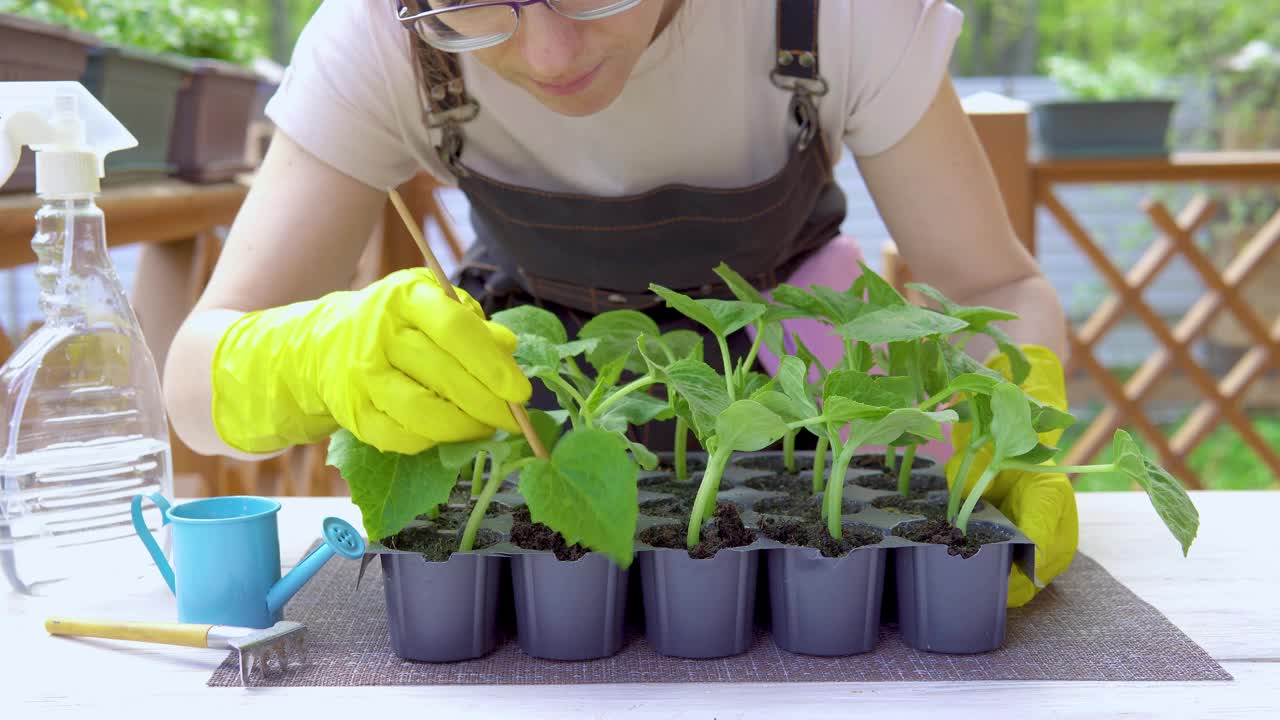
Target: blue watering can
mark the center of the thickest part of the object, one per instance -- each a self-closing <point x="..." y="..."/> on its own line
<point x="227" y="553"/>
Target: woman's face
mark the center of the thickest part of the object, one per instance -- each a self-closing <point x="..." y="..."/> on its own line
<point x="576" y="67"/>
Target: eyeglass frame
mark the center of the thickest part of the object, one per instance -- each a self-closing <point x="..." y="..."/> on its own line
<point x="410" y="21"/>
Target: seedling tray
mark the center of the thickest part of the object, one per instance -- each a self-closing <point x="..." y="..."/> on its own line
<point x="706" y="608"/>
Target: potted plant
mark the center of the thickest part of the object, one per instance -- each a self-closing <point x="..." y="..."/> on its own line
<point x="1117" y="111"/>
<point x="31" y="50"/>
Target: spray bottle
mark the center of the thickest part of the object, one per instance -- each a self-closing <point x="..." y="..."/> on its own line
<point x="82" y="421"/>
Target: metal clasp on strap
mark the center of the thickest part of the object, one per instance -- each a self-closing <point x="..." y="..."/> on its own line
<point x="816" y="86"/>
<point x="805" y="112"/>
<point x="450" y="149"/>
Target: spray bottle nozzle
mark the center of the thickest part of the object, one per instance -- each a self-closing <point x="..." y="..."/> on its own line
<point x="66" y="124"/>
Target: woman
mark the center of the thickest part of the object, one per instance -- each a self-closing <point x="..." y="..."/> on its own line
<point x="603" y="145"/>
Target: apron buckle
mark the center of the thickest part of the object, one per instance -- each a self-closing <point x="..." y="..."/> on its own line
<point x="806" y="114"/>
<point x="450" y="149"/>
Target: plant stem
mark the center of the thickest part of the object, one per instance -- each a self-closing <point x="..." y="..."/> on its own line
<point x="622" y="392"/>
<point x="819" y="461"/>
<point x="957" y="485"/>
<point x="706" y="494"/>
<point x="755" y="350"/>
<point x="681" y="450"/>
<point x="936" y="398"/>
<point x="728" y="368"/>
<point x="555" y="382"/>
<point x="482" y="504"/>
<point x="970" y="502"/>
<point x="433" y="513"/>
<point x="477" y="474"/>
<point x="833" y="501"/>
<point x="904" y="471"/>
<point x="1065" y="469"/>
<point x="847" y="361"/>
<point x="890" y="458"/>
<point x="789" y="451"/>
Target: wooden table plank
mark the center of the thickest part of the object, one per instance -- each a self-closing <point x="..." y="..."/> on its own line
<point x="1226" y="596"/>
<point x="160" y="211"/>
<point x="1241" y="167"/>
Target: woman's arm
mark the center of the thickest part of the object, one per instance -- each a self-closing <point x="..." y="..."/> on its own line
<point x="939" y="199"/>
<point x="298" y="236"/>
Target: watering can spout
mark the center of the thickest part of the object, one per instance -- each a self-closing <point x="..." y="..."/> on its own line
<point x="339" y="538"/>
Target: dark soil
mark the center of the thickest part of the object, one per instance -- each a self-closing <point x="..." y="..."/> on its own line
<point x="814" y="534"/>
<point x="917" y="503"/>
<point x="938" y="532"/>
<point x="876" y="462"/>
<point x="802" y="506"/>
<point x="678" y="508"/>
<point x="436" y="545"/>
<point x="782" y="482"/>
<point x="530" y="535"/>
<point x="775" y="463"/>
<point x="725" y="530"/>
<point x="677" y="488"/>
<point x="920" y="482"/>
<point x="691" y="463"/>
<point x="455" y="516"/>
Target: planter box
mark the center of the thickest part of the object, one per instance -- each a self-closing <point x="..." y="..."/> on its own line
<point x="568" y="610"/>
<point x="141" y="90"/>
<point x="950" y="604"/>
<point x="1121" y="128"/>
<point x="699" y="608"/>
<point x="826" y="606"/>
<point x="211" y="130"/>
<point x="442" y="611"/>
<point x="36" y="51"/>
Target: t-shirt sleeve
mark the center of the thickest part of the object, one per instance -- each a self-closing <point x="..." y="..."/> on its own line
<point x="900" y="51"/>
<point x="337" y="99"/>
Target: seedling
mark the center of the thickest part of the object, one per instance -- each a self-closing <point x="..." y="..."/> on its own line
<point x="714" y="406"/>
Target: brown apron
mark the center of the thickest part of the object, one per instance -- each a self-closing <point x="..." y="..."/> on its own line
<point x="578" y="255"/>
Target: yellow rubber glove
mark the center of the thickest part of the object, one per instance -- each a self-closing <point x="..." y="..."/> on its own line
<point x="1042" y="505"/>
<point x="399" y="364"/>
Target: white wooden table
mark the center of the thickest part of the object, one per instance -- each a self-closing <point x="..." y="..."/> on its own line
<point x="1226" y="596"/>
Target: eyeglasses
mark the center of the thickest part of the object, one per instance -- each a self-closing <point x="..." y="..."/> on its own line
<point x="464" y="25"/>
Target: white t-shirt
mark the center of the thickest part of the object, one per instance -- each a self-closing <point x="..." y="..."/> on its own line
<point x="699" y="108"/>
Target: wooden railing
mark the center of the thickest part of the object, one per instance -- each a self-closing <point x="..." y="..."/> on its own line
<point x="1028" y="184"/>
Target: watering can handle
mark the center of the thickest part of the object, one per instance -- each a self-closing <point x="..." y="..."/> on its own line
<point x="144" y="533"/>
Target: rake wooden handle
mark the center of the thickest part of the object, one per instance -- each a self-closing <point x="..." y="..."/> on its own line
<point x="185" y="634"/>
<point x="517" y="411"/>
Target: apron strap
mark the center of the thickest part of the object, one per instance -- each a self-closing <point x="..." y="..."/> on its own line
<point x="796" y="66"/>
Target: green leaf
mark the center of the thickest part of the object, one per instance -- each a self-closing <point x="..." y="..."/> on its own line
<point x="704" y="391"/>
<point x="793" y="377"/>
<point x="389" y="488"/>
<point x="877" y="390"/>
<point x="894" y="324"/>
<point x="784" y="406"/>
<point x="748" y="426"/>
<point x="800" y="300"/>
<point x="732" y="315"/>
<point x="575" y="348"/>
<point x="902" y="358"/>
<point x="959" y="363"/>
<point x="636" y="409"/>
<point x="841" y="410"/>
<point x="753" y="382"/>
<point x="1019" y="366"/>
<point x="547" y="426"/>
<point x="456" y="455"/>
<point x="810" y="360"/>
<point x="615" y="333"/>
<point x="537" y="356"/>
<point x="932" y="368"/>
<point x="842" y="307"/>
<point x="740" y="288"/>
<point x="898" y="422"/>
<point x="879" y="291"/>
<point x="778" y="313"/>
<point x="606" y="378"/>
<point x="586" y="492"/>
<point x="1011" y="421"/>
<point x="980" y="316"/>
<point x="1038" y="454"/>
<point x="1167" y="495"/>
<point x="683" y="344"/>
<point x="688" y="307"/>
<point x="945" y="303"/>
<point x="972" y="383"/>
<point x="863" y="357"/>
<point x="532" y="320"/>
<point x="643" y="456"/>
<point x="1046" y="417"/>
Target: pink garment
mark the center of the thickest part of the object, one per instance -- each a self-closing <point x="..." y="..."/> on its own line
<point x="835" y="266"/>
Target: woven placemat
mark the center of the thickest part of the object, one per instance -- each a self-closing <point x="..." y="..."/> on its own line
<point x="1084" y="626"/>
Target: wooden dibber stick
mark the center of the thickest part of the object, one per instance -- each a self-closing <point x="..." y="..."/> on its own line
<point x="517" y="411"/>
